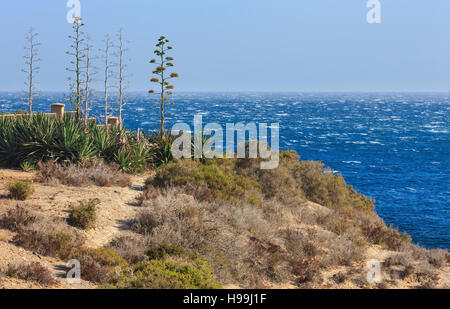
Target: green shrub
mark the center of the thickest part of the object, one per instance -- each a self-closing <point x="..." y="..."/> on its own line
<point x="104" y="256"/>
<point x="209" y="181"/>
<point x="158" y="274"/>
<point x="83" y="216"/>
<point x="242" y="179"/>
<point x="21" y="190"/>
<point x="98" y="264"/>
<point x="164" y="250"/>
<point x="328" y="189"/>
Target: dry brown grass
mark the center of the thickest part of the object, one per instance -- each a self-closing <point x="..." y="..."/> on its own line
<point x="132" y="249"/>
<point x="89" y="173"/>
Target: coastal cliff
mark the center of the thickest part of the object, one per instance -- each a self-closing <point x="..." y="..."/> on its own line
<point x="220" y="223"/>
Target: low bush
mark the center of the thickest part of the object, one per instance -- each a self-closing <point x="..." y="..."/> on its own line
<point x="131" y="248"/>
<point x="398" y="259"/>
<point x="46" y="239"/>
<point x="20" y="190"/>
<point x="159" y="274"/>
<point x="214" y="180"/>
<point x="30" y="272"/>
<point x="162" y="251"/>
<point x="171" y="219"/>
<point x="243" y="179"/>
<point x="98" y="264"/>
<point x="83" y="216"/>
<point x="385" y="236"/>
<point x="145" y="222"/>
<point x="438" y="257"/>
<point x="17" y="218"/>
<point x="94" y="172"/>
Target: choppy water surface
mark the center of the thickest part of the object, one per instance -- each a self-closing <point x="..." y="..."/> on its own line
<point x="392" y="147"/>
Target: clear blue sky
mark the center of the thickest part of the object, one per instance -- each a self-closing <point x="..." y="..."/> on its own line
<point x="248" y="45"/>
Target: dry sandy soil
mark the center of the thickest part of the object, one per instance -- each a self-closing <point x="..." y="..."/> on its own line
<point x="117" y="205"/>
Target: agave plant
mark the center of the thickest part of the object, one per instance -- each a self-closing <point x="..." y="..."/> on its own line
<point x="40" y="138"/>
<point x="204" y="149"/>
<point x="105" y="141"/>
<point x="161" y="148"/>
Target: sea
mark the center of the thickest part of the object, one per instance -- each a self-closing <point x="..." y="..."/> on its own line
<point x="392" y="147"/>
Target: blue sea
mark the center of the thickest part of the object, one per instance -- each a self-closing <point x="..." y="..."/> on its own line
<point x="394" y="148"/>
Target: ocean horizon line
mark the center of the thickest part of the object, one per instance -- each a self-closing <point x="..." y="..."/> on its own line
<point x="260" y="91"/>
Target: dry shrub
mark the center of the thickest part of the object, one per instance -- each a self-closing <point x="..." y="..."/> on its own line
<point x="98" y="264"/>
<point x="346" y="252"/>
<point x="333" y="221"/>
<point x="438" y="257"/>
<point x="340" y="277"/>
<point x="307" y="271"/>
<point x="132" y="249"/>
<point x="383" y="236"/>
<point x="20" y="190"/>
<point x="301" y="212"/>
<point x="149" y="193"/>
<point x="329" y="189"/>
<point x="325" y="247"/>
<point x="89" y="173"/>
<point x="174" y="220"/>
<point x="279" y="183"/>
<point x="83" y="216"/>
<point x="30" y="272"/>
<point x="426" y="276"/>
<point x="48" y="239"/>
<point x="194" y="226"/>
<point x="402" y="259"/>
<point x="17" y="218"/>
<point x="146" y="221"/>
<point x="300" y="244"/>
<point x="247" y="218"/>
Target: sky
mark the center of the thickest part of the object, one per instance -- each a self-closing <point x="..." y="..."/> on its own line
<point x="246" y="45"/>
